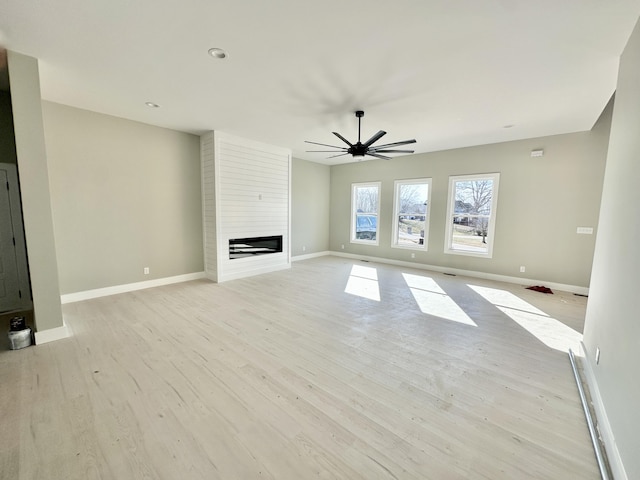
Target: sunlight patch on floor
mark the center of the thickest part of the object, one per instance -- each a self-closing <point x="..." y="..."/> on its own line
<point x="363" y="282"/>
<point x="506" y="299"/>
<point x="433" y="300"/>
<point x="548" y="330"/>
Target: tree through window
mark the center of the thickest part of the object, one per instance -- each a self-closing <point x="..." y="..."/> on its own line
<point x="411" y="207"/>
<point x="471" y="214"/>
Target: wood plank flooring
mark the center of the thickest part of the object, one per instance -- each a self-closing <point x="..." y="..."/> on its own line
<point x="287" y="376"/>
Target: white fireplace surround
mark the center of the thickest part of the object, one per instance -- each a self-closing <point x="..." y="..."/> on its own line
<point x="246" y="192"/>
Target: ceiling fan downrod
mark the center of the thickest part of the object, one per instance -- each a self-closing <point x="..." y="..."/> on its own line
<point x="359" y="114"/>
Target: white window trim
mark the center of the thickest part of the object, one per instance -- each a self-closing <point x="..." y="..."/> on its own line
<point x="492" y="219"/>
<point x="352" y="237"/>
<point x="396" y="213"/>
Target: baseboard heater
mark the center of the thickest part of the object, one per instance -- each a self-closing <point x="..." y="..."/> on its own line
<point x="253" y="246"/>
<point x="597" y="447"/>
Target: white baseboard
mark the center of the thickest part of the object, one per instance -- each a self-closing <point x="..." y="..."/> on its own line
<point x="469" y="273"/>
<point x="129" y="287"/>
<point x="53" y="334"/>
<point x="602" y="421"/>
<point x="310" y="255"/>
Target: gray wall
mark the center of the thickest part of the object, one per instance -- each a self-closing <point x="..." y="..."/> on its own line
<point x="613" y="321"/>
<point x="33" y="169"/>
<point x="125" y="196"/>
<point x="310" y="188"/>
<point x="541" y="202"/>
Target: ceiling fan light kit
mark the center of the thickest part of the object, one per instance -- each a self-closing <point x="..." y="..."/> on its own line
<point x="359" y="150"/>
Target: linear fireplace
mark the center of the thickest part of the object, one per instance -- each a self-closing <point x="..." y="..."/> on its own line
<point x="249" y="247"/>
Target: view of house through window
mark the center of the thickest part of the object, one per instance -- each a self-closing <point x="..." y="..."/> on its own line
<point x="365" y="203"/>
<point x="411" y="203"/>
<point x="471" y="214"/>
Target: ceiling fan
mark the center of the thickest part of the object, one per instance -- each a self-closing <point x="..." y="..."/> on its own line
<point x="360" y="149"/>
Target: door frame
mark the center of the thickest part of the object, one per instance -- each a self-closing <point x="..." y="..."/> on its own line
<point x="22" y="262"/>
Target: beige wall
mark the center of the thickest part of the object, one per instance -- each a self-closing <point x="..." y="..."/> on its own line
<point x="541" y="202"/>
<point x="309" y="207"/>
<point x="612" y="322"/>
<point x="125" y="196"/>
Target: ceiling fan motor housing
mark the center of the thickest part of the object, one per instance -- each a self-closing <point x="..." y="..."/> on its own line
<point x="358" y="150"/>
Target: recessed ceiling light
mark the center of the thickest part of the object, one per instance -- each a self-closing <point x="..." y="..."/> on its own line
<point x="217" y="53"/>
<point x="152" y="105"/>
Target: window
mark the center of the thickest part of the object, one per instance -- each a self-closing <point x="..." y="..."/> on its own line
<point x="411" y="213"/>
<point x="471" y="214"/>
<point x="365" y="203"/>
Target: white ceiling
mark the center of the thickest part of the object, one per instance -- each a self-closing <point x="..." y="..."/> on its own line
<point x="449" y="74"/>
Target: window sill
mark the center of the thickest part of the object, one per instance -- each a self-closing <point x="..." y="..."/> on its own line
<point x="365" y="242"/>
<point x="465" y="253"/>
<point x="419" y="248"/>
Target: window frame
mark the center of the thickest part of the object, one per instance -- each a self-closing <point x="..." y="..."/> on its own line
<point x="451" y="213"/>
<point x="361" y="241"/>
<point x="396" y="205"/>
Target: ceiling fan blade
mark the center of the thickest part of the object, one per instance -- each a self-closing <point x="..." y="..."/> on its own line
<point x="394" y="144"/>
<point x="325" y="145"/>
<point x="324" y="151"/>
<point x="394" y="151"/>
<point x="375" y="138"/>
<point x="339" y="155"/>
<point x="378" y="156"/>
<point x="343" y="139"/>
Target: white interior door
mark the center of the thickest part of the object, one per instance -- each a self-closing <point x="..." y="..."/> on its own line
<point x="14" y="282"/>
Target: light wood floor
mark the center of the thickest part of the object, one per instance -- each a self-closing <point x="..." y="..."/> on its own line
<point x="287" y="376"/>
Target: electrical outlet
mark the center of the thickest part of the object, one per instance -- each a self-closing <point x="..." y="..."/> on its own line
<point x="146" y="270"/>
<point x="597" y="355"/>
<point x="342" y="246"/>
<point x="304" y="249"/>
<point x="413" y="255"/>
<point x="522" y="269"/>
